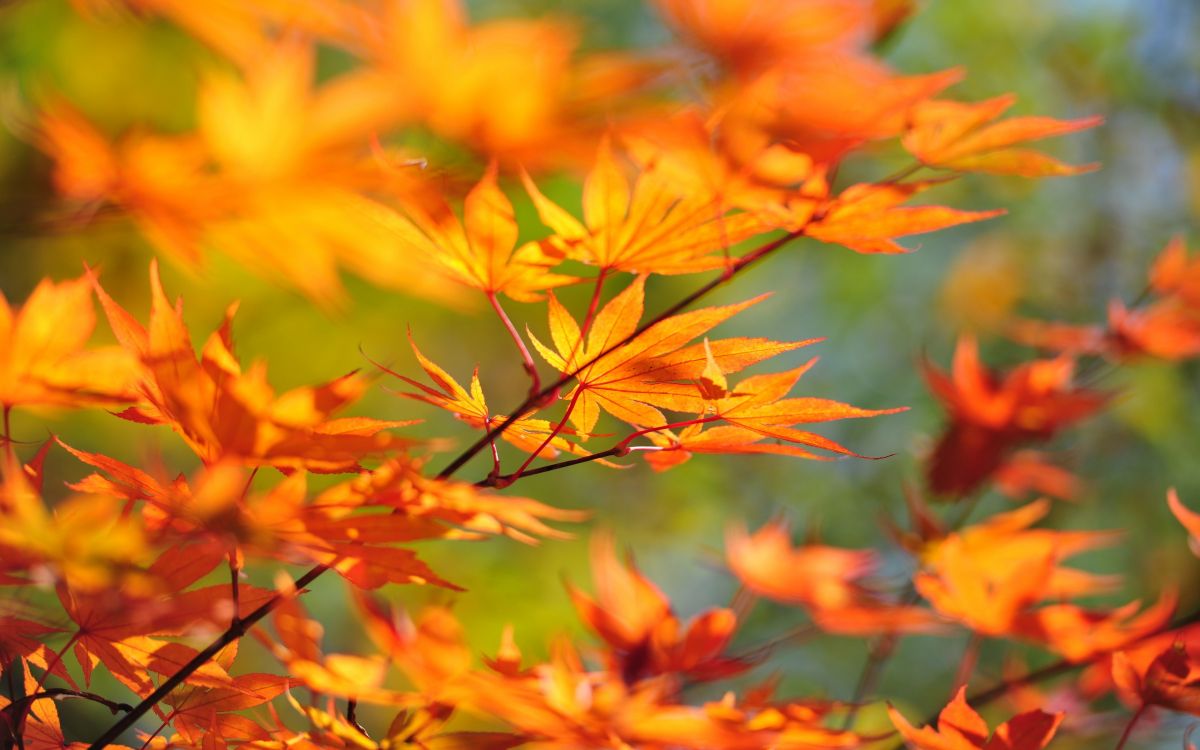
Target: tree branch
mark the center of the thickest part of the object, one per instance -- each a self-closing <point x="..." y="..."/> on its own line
<point x="240" y="626"/>
<point x="236" y="630"/>
<point x="733" y="270"/>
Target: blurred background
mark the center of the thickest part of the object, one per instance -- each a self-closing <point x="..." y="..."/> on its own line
<point x="1065" y="248"/>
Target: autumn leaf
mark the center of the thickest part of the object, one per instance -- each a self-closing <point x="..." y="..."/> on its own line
<point x="988" y="575"/>
<point x="525" y="432"/>
<point x="1166" y="327"/>
<point x="459" y="507"/>
<point x="830" y="582"/>
<point x="644" y="638"/>
<point x="1189" y="518"/>
<point x="962" y="137"/>
<point x="1170" y="680"/>
<point x="481" y="251"/>
<point x="1029" y="473"/>
<point x="1080" y="634"/>
<point x="959" y="727"/>
<point x="653" y="227"/>
<point x="459" y="78"/>
<point x="124" y="632"/>
<point x="633" y="377"/>
<point x="750" y="37"/>
<point x="868" y="217"/>
<point x="86" y="541"/>
<point x="225" y="412"/>
<point x="991" y="414"/>
<point x="44" y="359"/>
<point x="274" y="176"/>
<point x="737" y="167"/>
<point x="297" y="645"/>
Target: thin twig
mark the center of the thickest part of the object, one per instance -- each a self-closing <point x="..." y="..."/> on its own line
<point x="503" y="424"/>
<point x="1133" y="720"/>
<point x="527" y="362"/>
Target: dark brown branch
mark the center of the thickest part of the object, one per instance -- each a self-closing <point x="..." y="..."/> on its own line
<point x="504" y="481"/>
<point x="15" y="715"/>
<point x="240" y="626"/>
<point x="238" y="629"/>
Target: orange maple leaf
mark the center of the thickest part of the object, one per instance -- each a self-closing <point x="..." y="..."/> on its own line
<point x="868" y="217"/>
<point x="738" y="167"/>
<point x="1167" y="328"/>
<point x="223" y="412"/>
<point x="459" y="80"/>
<point x="1080" y="634"/>
<point x="959" y="727"/>
<point x="750" y="37"/>
<point x="958" y="136"/>
<point x="481" y="251"/>
<point x="633" y="377"/>
<point x="1171" y="680"/>
<point x="643" y="635"/>
<point x="525" y="432"/>
<point x="654" y="228"/>
<point x="989" y="574"/>
<point x="43" y="359"/>
<point x="990" y="414"/>
<point x="829" y="582"/>
<point x="275" y="175"/>
<point x="754" y="411"/>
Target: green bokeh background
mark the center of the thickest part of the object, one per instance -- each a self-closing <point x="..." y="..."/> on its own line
<point x="1068" y="245"/>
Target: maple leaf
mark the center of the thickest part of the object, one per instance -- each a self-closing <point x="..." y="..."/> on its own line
<point x="123" y="630"/>
<point x="224" y="412"/>
<point x="867" y="217"/>
<point x="850" y="98"/>
<point x="959" y="727"/>
<point x="633" y="377"/>
<point x="459" y="78"/>
<point x="1166" y="328"/>
<point x="352" y="527"/>
<point x="525" y="432"/>
<point x="89" y="542"/>
<point x="43" y="359"/>
<point x="430" y="649"/>
<point x="200" y="712"/>
<point x="271" y="176"/>
<point x="1170" y="680"/>
<point x="750" y="38"/>
<point x="754" y="411"/>
<point x="654" y="227"/>
<point x="992" y="414"/>
<point x="481" y="251"/>
<point x="297" y="646"/>
<point x="1080" y="634"/>
<point x="737" y="167"/>
<point x="31" y="722"/>
<point x="1029" y="473"/>
<point x="399" y="484"/>
<point x="988" y="574"/>
<point x="1174" y="274"/>
<point x="958" y="136"/>
<point x="644" y="637"/>
<point x="828" y="581"/>
<point x="242" y="31"/>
